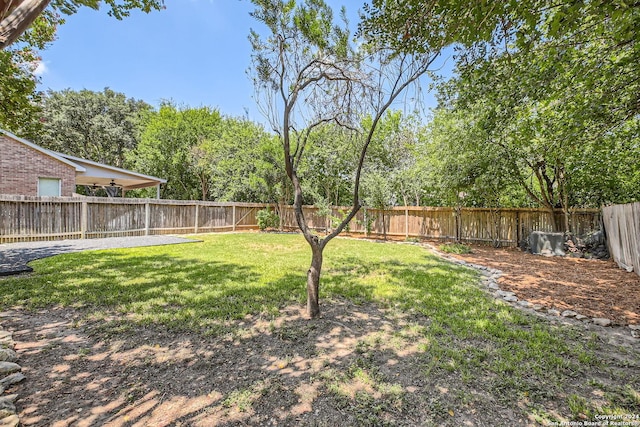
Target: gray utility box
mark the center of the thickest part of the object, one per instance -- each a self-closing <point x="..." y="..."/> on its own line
<point x="547" y="244"/>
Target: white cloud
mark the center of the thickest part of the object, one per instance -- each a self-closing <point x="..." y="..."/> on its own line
<point x="40" y="69"/>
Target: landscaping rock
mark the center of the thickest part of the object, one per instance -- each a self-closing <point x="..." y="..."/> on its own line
<point x="601" y="321"/>
<point x="553" y="312"/>
<point x="9" y="368"/>
<point x="537" y="307"/>
<point x="12" y="379"/>
<point x="493" y="285"/>
<point x="10" y="421"/>
<point x="511" y="298"/>
<point x="524" y="303"/>
<point x="8" y="355"/>
<point x="569" y="313"/>
<point x="581" y="317"/>
<point x="505" y="293"/>
<point x="7" y="408"/>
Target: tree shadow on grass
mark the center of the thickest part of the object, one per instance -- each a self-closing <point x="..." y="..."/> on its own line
<point x="154" y="288"/>
<point x="359" y="364"/>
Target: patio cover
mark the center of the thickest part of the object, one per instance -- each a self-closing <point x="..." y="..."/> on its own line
<point x="101" y="175"/>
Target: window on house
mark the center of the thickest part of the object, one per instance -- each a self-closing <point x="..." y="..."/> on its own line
<point x="49" y="187"/>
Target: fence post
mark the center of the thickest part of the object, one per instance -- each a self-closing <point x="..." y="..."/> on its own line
<point x="83" y="221"/>
<point x="195" y="228"/>
<point x="147" y="218"/>
<point x="233" y="216"/>
<point x="406" y="222"/>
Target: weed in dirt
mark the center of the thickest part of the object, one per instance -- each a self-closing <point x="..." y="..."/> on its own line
<point x="240" y="400"/>
<point x="364" y="393"/>
<point x="578" y="407"/>
<point x="455" y="248"/>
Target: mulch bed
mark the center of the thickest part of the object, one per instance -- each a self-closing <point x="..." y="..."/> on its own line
<point x="594" y="288"/>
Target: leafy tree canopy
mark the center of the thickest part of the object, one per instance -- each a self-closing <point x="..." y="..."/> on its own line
<point x="100" y="126"/>
<point x="205" y="155"/>
<point x="551" y="87"/>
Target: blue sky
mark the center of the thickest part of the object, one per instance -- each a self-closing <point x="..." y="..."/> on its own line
<point x="195" y="52"/>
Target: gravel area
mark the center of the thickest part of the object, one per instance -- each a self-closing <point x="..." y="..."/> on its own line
<point x="14" y="257"/>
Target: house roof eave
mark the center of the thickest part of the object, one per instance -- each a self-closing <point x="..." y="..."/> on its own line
<point x="42" y="150"/>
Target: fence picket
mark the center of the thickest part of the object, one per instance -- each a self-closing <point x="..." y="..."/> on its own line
<point x="45" y="218"/>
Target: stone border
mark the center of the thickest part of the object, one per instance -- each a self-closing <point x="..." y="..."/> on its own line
<point x="10" y="374"/>
<point x="490" y="284"/>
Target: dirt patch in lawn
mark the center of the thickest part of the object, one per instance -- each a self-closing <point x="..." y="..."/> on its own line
<point x="285" y="371"/>
<point x="594" y="288"/>
<point x="356" y="365"/>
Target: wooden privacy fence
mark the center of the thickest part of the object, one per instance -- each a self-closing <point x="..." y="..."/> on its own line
<point x="622" y="224"/>
<point x="51" y="218"/>
<point x="504" y="227"/>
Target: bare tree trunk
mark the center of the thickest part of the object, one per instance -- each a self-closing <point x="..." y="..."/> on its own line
<point x="205" y="190"/>
<point x="554" y="222"/>
<point x="565" y="199"/>
<point x="19" y="20"/>
<point x="313" y="280"/>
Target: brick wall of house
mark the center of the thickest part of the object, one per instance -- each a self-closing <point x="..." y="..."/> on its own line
<point x="21" y="166"/>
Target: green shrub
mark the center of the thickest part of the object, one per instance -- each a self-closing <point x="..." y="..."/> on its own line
<point x="267" y="219"/>
<point x="455" y="248"/>
<point x="336" y="220"/>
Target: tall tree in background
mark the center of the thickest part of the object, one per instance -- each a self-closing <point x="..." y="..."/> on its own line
<point x="307" y="74"/>
<point x="26" y="28"/>
<point x="99" y="126"/>
<point x="546" y="82"/>
<point x="205" y="155"/>
<point x="19" y="99"/>
<point x="169" y="148"/>
<point x="239" y="163"/>
<point x="330" y="157"/>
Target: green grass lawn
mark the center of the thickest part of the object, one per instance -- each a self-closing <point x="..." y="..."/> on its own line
<point x="228" y="276"/>
<point x="203" y="287"/>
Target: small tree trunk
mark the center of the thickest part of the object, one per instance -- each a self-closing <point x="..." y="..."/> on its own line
<point x="565" y="211"/>
<point x="557" y="226"/>
<point x="313" y="281"/>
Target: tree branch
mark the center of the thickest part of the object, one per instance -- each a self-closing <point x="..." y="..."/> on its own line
<point x="19" y="20"/>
